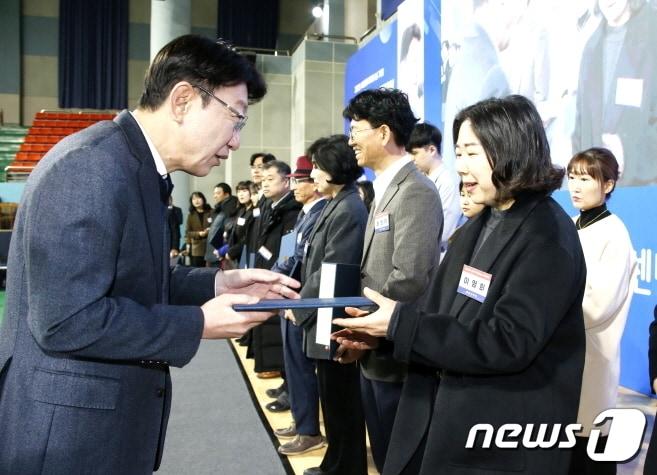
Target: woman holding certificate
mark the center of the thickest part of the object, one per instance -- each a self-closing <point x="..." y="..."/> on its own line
<point x="497" y="347"/>
<point x="336" y="238"/>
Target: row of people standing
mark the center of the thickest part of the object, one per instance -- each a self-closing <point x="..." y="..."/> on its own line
<point x="516" y="346"/>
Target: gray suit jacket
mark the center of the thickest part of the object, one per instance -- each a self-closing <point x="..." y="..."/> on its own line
<point x="398" y="262"/>
<point x="338" y="238"/>
<point x="88" y="336"/>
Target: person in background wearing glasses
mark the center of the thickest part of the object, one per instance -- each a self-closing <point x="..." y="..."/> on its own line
<point x="93" y="325"/>
<point x="402" y="240"/>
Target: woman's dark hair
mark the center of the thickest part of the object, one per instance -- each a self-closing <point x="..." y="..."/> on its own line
<point x="334" y="156"/>
<point x="202" y="62"/>
<point x="198" y="194"/>
<point x="512" y="135"/>
<point x="598" y="163"/>
<point x="244" y="185"/>
<point x="384" y="106"/>
<point x="367" y="188"/>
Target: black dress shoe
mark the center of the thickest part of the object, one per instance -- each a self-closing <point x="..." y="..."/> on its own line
<point x="278" y="406"/>
<point x="313" y="471"/>
<point x="275" y="392"/>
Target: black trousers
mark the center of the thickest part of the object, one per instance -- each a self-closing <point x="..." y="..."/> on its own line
<point x="344" y="423"/>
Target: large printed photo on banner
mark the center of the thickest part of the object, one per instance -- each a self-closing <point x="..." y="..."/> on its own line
<point x="590" y="66"/>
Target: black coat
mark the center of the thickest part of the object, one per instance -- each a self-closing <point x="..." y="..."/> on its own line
<point x="266" y="342"/>
<point x="515" y="358"/>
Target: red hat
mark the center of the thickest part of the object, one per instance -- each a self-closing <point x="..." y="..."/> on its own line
<point x="304" y="167"/>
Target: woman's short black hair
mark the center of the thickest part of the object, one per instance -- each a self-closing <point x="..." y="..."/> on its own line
<point x="202" y="62"/>
<point x="334" y="156"/>
<point x="384" y="106"/>
<point x="512" y="135"/>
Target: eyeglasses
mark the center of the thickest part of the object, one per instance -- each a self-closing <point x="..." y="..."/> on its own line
<point x="294" y="181"/>
<point x="353" y="133"/>
<point x="241" y="118"/>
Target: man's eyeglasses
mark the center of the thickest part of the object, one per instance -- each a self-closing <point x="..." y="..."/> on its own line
<point x="241" y="118"/>
<point x="354" y="132"/>
<point x="294" y="181"/>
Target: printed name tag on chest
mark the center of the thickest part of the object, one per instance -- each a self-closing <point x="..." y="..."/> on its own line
<point x="256" y="212"/>
<point x="474" y="283"/>
<point x="382" y="222"/>
<point x="241" y="221"/>
<point x="264" y="252"/>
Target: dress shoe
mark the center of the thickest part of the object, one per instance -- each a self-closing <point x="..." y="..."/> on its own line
<point x="313" y="471"/>
<point x="302" y="444"/>
<point x="278" y="405"/>
<point x="268" y="374"/>
<point x="286" y="432"/>
<point x="275" y="392"/>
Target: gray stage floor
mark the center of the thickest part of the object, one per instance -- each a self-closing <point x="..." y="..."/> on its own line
<point x="214" y="427"/>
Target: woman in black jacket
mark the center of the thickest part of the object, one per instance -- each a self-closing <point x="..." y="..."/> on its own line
<point x="499" y="343"/>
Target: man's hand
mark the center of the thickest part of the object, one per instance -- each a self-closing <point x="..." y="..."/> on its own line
<point x="173" y="253"/>
<point x="221" y="321"/>
<point x="654" y="385"/>
<point x="347" y="355"/>
<point x="354" y="340"/>
<point x="374" y="324"/>
<point x="259" y="283"/>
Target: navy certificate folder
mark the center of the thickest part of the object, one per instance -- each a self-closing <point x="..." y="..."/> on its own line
<point x="279" y="304"/>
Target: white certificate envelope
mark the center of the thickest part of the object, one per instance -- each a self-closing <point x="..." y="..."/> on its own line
<point x="325" y="315"/>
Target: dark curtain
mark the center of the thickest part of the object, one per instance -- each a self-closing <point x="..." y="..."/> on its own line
<point x="252" y="23"/>
<point x="93" y="54"/>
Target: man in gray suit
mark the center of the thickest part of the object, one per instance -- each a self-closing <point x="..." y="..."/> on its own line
<point x="93" y="323"/>
<point x="402" y="239"/>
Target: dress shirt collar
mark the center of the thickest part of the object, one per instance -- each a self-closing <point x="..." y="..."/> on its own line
<point x="382" y="181"/>
<point x="307" y="207"/>
<point x="159" y="163"/>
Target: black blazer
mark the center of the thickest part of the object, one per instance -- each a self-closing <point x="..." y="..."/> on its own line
<point x="515" y="358"/>
<point x="337" y="237"/>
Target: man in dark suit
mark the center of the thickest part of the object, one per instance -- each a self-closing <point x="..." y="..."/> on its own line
<point x="93" y="324"/>
<point x="402" y="239"/>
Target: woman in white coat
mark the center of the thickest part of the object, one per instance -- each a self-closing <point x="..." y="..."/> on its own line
<point x="610" y="263"/>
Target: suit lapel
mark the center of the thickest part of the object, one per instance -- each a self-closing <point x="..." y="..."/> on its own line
<point x="388" y="195"/>
<point x="150" y="190"/>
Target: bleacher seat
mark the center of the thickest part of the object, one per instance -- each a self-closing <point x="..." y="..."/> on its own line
<point x="48" y="128"/>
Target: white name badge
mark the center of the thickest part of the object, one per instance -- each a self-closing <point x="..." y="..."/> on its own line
<point x="264" y="252"/>
<point x="629" y="92"/>
<point x="241" y="221"/>
<point x="256" y="212"/>
<point x="474" y="283"/>
<point x="382" y="222"/>
<point x="209" y="220"/>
